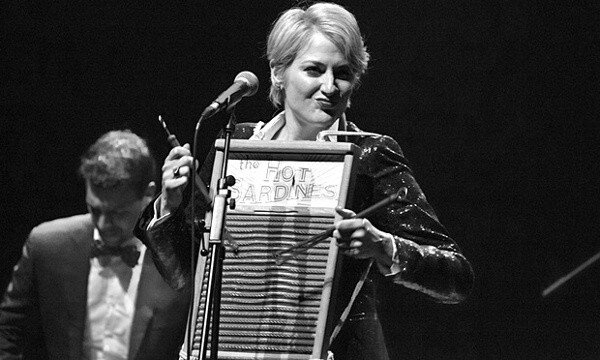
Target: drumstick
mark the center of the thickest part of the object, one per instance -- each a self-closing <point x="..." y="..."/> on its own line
<point x="172" y="139"/>
<point x="282" y="255"/>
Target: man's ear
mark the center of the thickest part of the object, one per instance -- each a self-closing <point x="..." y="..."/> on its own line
<point x="150" y="190"/>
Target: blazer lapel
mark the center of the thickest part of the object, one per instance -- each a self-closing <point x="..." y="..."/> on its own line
<point x="144" y="305"/>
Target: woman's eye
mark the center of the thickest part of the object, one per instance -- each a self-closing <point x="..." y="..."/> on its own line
<point x="344" y="75"/>
<point x="313" y="70"/>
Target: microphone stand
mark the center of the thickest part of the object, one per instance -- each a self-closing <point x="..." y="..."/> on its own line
<point x="212" y="304"/>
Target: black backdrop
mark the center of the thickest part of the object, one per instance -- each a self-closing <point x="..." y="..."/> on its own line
<point x="494" y="103"/>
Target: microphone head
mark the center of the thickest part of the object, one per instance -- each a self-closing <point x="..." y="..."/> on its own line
<point x="250" y="80"/>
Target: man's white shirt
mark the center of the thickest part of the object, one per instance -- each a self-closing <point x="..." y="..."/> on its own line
<point x="112" y="291"/>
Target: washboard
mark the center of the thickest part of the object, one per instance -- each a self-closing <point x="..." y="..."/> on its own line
<point x="285" y="192"/>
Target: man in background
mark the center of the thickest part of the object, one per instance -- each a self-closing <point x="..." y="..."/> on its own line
<point x="85" y="287"/>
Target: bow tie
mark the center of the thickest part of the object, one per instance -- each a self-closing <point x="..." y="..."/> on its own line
<point x="129" y="254"/>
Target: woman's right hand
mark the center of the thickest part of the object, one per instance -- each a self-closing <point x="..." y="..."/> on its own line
<point x="175" y="176"/>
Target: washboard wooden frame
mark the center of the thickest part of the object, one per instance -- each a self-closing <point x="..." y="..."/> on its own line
<point x="285" y="192"/>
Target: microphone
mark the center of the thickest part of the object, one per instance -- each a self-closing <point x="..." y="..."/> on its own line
<point x="244" y="84"/>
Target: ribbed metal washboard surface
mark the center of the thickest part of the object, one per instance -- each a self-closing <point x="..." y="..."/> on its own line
<point x="269" y="311"/>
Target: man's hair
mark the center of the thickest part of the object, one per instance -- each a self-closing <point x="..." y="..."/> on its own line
<point x="119" y="158"/>
<point x="294" y="28"/>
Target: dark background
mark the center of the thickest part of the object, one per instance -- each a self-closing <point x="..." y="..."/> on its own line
<point x="494" y="103"/>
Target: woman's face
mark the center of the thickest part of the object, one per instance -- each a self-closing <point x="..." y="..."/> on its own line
<point x="317" y="85"/>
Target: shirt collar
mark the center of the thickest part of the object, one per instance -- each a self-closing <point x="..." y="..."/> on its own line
<point x="267" y="131"/>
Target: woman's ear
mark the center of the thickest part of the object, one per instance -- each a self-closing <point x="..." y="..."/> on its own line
<point x="276" y="75"/>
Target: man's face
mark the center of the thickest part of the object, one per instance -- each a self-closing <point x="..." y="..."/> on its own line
<point x="114" y="211"/>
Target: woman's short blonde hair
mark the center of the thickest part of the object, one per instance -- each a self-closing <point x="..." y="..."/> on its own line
<point x="293" y="30"/>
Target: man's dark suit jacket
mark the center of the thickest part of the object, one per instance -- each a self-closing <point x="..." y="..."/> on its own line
<point x="48" y="296"/>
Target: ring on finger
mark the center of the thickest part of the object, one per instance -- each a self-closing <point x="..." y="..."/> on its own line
<point x="353" y="251"/>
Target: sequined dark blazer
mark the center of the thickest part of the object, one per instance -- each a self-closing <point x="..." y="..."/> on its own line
<point x="430" y="260"/>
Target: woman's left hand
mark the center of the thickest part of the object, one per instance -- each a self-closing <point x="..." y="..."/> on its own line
<point x="358" y="238"/>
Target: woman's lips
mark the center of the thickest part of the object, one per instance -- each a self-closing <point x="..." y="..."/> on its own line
<point x="326" y="104"/>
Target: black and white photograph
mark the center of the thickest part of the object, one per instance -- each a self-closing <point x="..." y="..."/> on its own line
<point x="344" y="179"/>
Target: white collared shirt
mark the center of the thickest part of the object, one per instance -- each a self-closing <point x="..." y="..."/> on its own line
<point x="112" y="291"/>
<point x="267" y="131"/>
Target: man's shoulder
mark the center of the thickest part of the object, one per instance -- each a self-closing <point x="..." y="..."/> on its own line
<point x="63" y="226"/>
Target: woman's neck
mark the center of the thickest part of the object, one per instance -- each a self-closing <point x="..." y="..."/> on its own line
<point x="292" y="130"/>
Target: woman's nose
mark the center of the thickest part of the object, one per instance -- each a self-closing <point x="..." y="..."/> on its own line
<point x="328" y="84"/>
